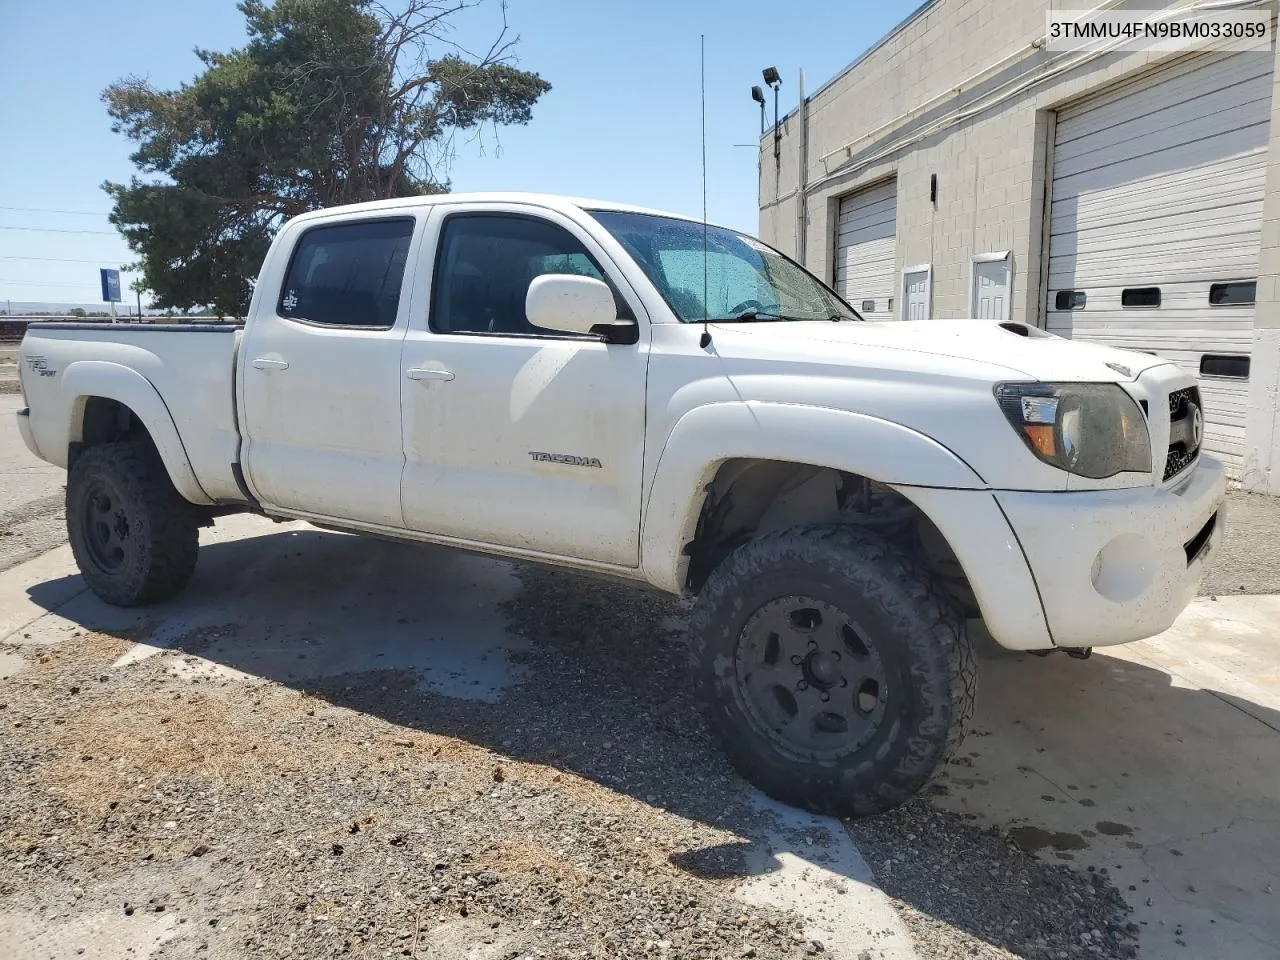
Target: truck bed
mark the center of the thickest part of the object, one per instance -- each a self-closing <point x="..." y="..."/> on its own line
<point x="190" y="365"/>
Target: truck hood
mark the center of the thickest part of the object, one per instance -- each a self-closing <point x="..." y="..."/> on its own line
<point x="1027" y="352"/>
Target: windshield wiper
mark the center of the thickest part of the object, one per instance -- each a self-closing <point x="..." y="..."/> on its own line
<point x="761" y="316"/>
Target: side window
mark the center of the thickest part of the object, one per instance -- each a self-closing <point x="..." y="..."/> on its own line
<point x="485" y="265"/>
<point x="349" y="274"/>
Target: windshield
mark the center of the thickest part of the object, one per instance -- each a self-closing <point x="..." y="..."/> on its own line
<point x="744" y="279"/>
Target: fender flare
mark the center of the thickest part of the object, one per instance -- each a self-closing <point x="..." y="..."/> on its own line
<point x="113" y="381"/>
<point x="705" y="437"/>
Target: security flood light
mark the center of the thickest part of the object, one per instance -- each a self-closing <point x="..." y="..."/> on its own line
<point x="773" y="79"/>
<point x="758" y="96"/>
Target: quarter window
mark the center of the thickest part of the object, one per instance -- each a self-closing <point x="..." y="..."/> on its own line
<point x="485" y="265"/>
<point x="348" y="275"/>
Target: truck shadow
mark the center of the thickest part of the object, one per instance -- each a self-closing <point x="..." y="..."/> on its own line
<point x="589" y="677"/>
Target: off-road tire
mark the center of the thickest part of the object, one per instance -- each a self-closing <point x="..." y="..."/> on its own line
<point x="919" y="637"/>
<point x="155" y="555"/>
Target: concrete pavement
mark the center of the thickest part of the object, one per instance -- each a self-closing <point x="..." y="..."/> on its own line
<point x="30" y="493"/>
<point x="23" y="478"/>
<point x="1158" y="762"/>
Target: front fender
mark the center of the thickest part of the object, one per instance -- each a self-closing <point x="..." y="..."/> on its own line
<point x="706" y="437"/>
<point x="113" y="381"/>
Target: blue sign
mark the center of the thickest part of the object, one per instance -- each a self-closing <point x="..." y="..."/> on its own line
<point x="110" y="285"/>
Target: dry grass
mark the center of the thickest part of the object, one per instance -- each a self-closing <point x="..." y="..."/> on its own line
<point x="118" y="744"/>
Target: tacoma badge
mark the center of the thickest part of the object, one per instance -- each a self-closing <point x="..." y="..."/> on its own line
<point x="566" y="458"/>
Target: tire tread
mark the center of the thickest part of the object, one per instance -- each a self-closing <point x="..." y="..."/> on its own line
<point x="905" y="592"/>
<point x="173" y="538"/>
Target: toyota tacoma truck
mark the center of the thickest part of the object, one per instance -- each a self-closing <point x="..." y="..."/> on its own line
<point x="635" y="394"/>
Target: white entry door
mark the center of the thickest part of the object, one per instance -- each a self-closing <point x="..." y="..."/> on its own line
<point x="917" y="293"/>
<point x="992" y="289"/>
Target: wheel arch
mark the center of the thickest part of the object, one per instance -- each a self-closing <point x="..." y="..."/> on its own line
<point x="793" y="450"/>
<point x="110" y="402"/>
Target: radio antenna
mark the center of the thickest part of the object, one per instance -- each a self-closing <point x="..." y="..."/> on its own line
<point x="706" y="330"/>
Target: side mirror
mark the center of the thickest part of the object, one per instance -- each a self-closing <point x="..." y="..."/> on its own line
<point x="569" y="303"/>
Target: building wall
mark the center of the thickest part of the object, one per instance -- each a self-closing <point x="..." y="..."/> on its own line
<point x="1261" y="470"/>
<point x="895" y="113"/>
<point x="962" y="91"/>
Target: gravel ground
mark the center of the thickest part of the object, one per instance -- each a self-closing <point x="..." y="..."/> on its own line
<point x="1250" y="559"/>
<point x="586" y="814"/>
<point x="969" y="892"/>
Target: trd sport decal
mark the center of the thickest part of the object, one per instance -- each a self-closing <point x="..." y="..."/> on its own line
<point x="566" y="458"/>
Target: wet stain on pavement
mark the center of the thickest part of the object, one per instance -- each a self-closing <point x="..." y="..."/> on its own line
<point x="1033" y="839"/>
<point x="1113" y="829"/>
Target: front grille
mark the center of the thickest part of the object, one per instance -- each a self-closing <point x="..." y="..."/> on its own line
<point x="1186" y="425"/>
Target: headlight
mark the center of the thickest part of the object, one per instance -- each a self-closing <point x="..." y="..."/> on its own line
<point x="1094" y="430"/>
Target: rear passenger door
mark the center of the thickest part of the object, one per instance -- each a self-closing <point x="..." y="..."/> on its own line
<point x="515" y="435"/>
<point x="320" y="372"/>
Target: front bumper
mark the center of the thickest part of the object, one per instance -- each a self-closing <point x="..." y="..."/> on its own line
<point x="24" y="428"/>
<point x="1113" y="566"/>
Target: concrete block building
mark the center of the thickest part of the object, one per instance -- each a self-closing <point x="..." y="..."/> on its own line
<point x="958" y="168"/>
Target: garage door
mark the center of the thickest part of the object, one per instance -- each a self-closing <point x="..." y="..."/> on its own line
<point x="1156" y="220"/>
<point x="865" y="250"/>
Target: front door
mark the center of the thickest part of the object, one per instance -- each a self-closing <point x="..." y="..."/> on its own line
<point x="320" y="374"/>
<point x="515" y="435"/>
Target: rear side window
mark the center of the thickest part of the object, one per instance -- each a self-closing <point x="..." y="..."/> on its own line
<point x="485" y="265"/>
<point x="348" y="275"/>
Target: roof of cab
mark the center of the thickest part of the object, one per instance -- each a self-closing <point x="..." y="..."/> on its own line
<point x="550" y="201"/>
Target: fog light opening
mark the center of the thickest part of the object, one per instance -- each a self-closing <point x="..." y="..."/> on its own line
<point x="1124" y="568"/>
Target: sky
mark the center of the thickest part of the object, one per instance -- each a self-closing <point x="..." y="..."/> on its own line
<point x="621" y="122"/>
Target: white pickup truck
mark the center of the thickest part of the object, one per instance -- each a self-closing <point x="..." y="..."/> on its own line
<point x="627" y="392"/>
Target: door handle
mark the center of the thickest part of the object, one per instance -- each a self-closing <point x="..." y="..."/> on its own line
<point x="421" y="373"/>
<point x="262" y="363"/>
